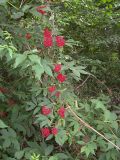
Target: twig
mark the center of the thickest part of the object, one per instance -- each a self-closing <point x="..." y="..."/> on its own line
<point x="83" y="82"/>
<point x="90" y="127"/>
<point x="109" y="91"/>
<point x="12" y="5"/>
<point x="21" y="3"/>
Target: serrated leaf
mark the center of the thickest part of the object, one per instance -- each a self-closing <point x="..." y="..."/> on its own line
<point x="20" y="59"/>
<point x="35" y="59"/>
<point x="6" y="143"/>
<point x="61" y="137"/>
<point x="2" y="124"/>
<point x="17" y="15"/>
<point x="76" y="72"/>
<point x="36" y="110"/>
<point x="61" y="156"/>
<point x="12" y="132"/>
<point x="48" y="70"/>
<point x="89" y="148"/>
<point x="26" y="8"/>
<point x="53" y="158"/>
<point x="19" y="154"/>
<point x="49" y="137"/>
<point x="48" y="150"/>
<point x="38" y="71"/>
<point x="3" y="2"/>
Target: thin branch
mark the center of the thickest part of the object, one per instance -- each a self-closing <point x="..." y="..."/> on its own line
<point x="21" y="3"/>
<point x="109" y="91"/>
<point x="12" y="5"/>
<point x="83" y="82"/>
<point x="90" y="127"/>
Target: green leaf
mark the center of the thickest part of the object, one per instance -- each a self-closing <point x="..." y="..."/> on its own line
<point x="61" y="156"/>
<point x="3" y="2"/>
<point x="26" y="8"/>
<point x="19" y="154"/>
<point x="10" y="52"/>
<point x="17" y="15"/>
<point x="49" y="137"/>
<point x="48" y="150"/>
<point x="20" y="59"/>
<point x="48" y="71"/>
<point x="76" y="73"/>
<point x="53" y="158"/>
<point x="89" y="148"/>
<point x="16" y="144"/>
<point x="12" y="132"/>
<point x="98" y="104"/>
<point x="2" y="124"/>
<point x="109" y="116"/>
<point x="35" y="59"/>
<point x="6" y="143"/>
<point x="38" y="71"/>
<point x="61" y="137"/>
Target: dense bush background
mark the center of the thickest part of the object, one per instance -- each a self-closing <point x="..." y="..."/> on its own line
<point x="90" y="60"/>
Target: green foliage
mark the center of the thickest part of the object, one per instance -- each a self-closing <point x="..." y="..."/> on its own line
<point x="2" y="124"/>
<point x="27" y="72"/>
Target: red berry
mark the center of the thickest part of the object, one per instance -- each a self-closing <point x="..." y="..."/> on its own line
<point x="60" y="41"/>
<point x="52" y="89"/>
<point x="3" y="114"/>
<point x="28" y="36"/>
<point x="57" y="67"/>
<point x="45" y="132"/>
<point x="57" y="94"/>
<point x="54" y="131"/>
<point x="11" y="102"/>
<point x="45" y="110"/>
<point x="61" y="112"/>
<point x="61" y="78"/>
<point x="47" y="33"/>
<point x="40" y="9"/>
<point x="3" y="90"/>
<point x="47" y="42"/>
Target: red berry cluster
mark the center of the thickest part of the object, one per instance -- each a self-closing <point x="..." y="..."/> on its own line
<point x="41" y="10"/>
<point x="3" y="114"/>
<point x="60" y="77"/>
<point x="48" y="40"/>
<point x="28" y="36"/>
<point x="57" y="68"/>
<point x="45" y="110"/>
<point x="60" y="41"/>
<point x="3" y="90"/>
<point x="46" y="131"/>
<point x="61" y="112"/>
<point x="52" y="89"/>
<point x="10" y="101"/>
